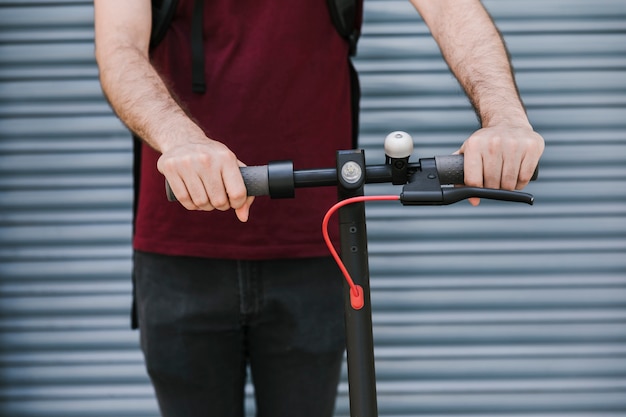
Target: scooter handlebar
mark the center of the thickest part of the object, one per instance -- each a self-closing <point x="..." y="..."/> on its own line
<point x="263" y="180"/>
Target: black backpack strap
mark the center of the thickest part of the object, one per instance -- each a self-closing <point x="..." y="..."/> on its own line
<point x="344" y="16"/>
<point x="162" y="14"/>
<point x="137" y="144"/>
<point x="343" y="13"/>
<point x="355" y="104"/>
<point x="197" y="48"/>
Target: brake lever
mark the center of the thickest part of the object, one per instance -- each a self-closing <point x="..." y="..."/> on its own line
<point x="454" y="195"/>
<point x="425" y="189"/>
<point x="447" y="196"/>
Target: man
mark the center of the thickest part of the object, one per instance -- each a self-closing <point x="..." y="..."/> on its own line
<point x="217" y="292"/>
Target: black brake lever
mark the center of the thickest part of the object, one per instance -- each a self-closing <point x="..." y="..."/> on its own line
<point x="424" y="189"/>
<point x="452" y="195"/>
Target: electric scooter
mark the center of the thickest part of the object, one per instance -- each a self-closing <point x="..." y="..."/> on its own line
<point x="428" y="182"/>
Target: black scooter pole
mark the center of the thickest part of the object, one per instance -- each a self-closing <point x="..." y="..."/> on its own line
<point x="353" y="236"/>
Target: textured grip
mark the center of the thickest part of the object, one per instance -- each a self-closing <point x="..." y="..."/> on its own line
<point x="256" y="180"/>
<point x="169" y="193"/>
<point x="450" y="169"/>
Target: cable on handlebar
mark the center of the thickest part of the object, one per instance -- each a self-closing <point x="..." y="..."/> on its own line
<point x="356" y="292"/>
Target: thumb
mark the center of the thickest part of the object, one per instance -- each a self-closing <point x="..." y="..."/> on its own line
<point x="243" y="212"/>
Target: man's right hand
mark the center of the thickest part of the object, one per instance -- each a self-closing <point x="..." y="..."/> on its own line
<point x="205" y="176"/>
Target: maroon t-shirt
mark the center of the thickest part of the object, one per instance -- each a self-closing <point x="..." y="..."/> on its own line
<point x="278" y="87"/>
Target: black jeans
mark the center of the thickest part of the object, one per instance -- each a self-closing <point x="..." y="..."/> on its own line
<point x="203" y="321"/>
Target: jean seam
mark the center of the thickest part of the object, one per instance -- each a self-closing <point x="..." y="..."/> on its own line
<point x="256" y="287"/>
<point x="242" y="292"/>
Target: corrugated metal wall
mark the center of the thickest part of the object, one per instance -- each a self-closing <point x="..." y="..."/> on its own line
<point x="496" y="310"/>
<point x="504" y="309"/>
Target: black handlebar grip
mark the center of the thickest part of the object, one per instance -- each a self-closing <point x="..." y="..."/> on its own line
<point x="255" y="178"/>
<point x="169" y="193"/>
<point x="450" y="169"/>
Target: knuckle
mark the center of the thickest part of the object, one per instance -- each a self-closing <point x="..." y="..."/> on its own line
<point x="202" y="201"/>
<point x="202" y="159"/>
<point x="165" y="164"/>
<point x="473" y="181"/>
<point x="188" y="204"/>
<point x="220" y="203"/>
<point x="238" y="198"/>
<point x="508" y="183"/>
<point x="523" y="179"/>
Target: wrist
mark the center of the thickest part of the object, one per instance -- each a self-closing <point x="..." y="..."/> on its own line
<point x="514" y="119"/>
<point x="503" y="113"/>
<point x="177" y="134"/>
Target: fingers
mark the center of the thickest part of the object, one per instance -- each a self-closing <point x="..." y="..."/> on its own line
<point x="472" y="167"/>
<point x="242" y="211"/>
<point x="525" y="174"/>
<point x="488" y="165"/>
<point x="206" y="177"/>
<point x="501" y="158"/>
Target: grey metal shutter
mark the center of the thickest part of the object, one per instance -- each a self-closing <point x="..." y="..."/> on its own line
<point x="503" y="309"/>
<point x="496" y="310"/>
<point x="65" y="212"/>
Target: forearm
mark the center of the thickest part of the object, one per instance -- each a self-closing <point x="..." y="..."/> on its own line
<point x="204" y="174"/>
<point x="477" y="56"/>
<point x="141" y="99"/>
